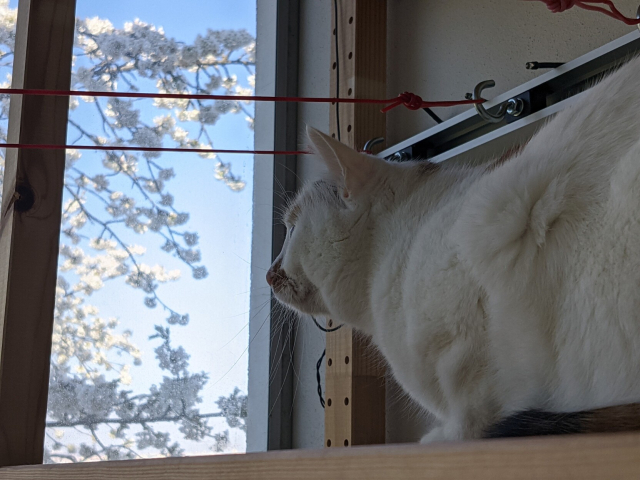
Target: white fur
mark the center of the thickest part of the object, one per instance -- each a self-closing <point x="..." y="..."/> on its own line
<point x="488" y="292"/>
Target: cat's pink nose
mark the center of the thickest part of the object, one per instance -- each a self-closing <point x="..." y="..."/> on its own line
<point x="271" y="277"/>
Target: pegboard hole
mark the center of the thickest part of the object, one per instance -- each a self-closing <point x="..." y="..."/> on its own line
<point x="329" y="362"/>
<point x="328" y="402"/>
<point x="349" y="128"/>
<point x="346" y="400"/>
<point x="328" y="443"/>
<point x="334" y="31"/>
<point x="333" y="135"/>
<point x="346" y="359"/>
<point x="330" y="323"/>
<point x="350" y="55"/>
<point x="350" y="22"/>
<point x="346" y="442"/>
<point x="349" y="92"/>
<point x="334" y="65"/>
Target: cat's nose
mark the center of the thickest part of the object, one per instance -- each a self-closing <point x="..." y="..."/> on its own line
<point x="271" y="277"/>
<point x="274" y="273"/>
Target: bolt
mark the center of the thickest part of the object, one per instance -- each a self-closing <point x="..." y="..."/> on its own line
<point x="399" y="157"/>
<point x="515" y="107"/>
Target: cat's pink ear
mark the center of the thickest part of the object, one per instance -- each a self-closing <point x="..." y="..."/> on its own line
<point x="349" y="169"/>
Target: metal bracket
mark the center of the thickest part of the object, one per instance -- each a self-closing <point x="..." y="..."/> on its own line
<point x="543" y="96"/>
<point x="512" y="107"/>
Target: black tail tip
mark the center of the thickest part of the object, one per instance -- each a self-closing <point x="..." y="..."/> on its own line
<point x="537" y="422"/>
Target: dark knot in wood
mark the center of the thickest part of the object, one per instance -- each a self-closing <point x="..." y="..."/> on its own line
<point x="25" y="198"/>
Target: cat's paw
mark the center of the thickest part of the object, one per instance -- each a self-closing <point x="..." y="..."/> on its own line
<point x="450" y="432"/>
<point x="436" y="434"/>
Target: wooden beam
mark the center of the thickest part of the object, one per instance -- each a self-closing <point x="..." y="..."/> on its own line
<point x="584" y="457"/>
<point x="30" y="237"/>
<point x="354" y="379"/>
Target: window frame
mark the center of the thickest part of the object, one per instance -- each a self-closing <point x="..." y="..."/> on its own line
<point x="29" y="242"/>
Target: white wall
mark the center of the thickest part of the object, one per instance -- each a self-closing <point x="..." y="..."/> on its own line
<point x="438" y="49"/>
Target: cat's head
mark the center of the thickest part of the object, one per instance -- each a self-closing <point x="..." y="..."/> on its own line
<point x="326" y="258"/>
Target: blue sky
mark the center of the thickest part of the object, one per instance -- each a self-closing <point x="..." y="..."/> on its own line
<point x="217" y="336"/>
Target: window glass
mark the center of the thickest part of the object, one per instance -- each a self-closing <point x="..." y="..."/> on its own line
<point x="151" y="324"/>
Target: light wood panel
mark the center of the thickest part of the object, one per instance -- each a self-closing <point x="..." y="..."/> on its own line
<point x="29" y="241"/>
<point x="583" y="457"/>
<point x="355" y="391"/>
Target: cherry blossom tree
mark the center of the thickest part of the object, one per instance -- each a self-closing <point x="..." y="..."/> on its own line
<point x="92" y="357"/>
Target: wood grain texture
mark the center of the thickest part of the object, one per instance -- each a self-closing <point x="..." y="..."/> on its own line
<point x="355" y="414"/>
<point x="583" y="457"/>
<point x="29" y="243"/>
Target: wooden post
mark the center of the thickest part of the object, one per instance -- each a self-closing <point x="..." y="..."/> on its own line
<point x="30" y="237"/>
<point x="354" y="380"/>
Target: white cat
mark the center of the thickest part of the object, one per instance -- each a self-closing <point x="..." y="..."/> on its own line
<point x="489" y="290"/>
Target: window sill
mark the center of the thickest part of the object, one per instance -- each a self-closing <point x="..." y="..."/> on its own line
<point x="578" y="456"/>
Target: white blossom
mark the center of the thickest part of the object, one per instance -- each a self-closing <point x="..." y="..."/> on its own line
<point x="123" y="113"/>
<point x="190" y="238"/>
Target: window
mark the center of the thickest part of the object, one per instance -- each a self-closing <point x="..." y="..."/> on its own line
<point x="150" y="342"/>
<point x="150" y="337"/>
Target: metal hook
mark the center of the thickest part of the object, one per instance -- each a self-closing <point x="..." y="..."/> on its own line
<point x="484" y="114"/>
<point x="513" y="106"/>
<point x="372" y="143"/>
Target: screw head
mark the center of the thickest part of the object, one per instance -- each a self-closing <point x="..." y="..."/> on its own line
<point x="399" y="157"/>
<point x="515" y="107"/>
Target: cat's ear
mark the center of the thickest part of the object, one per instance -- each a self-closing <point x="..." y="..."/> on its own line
<point x="349" y="169"/>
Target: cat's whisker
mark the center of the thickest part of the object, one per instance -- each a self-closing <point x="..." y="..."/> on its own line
<point x="289" y="323"/>
<point x="289" y="367"/>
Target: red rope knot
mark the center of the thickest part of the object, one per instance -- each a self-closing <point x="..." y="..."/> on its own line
<point x="608" y="8"/>
<point x="559" y="6"/>
<point x="409" y="100"/>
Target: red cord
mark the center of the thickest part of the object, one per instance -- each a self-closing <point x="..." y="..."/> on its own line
<point x="414" y="102"/>
<point x="411" y="101"/>
<point x="43" y="146"/>
<point x="558" y="6"/>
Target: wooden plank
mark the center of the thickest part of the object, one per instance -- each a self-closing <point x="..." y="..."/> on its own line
<point x="584" y="457"/>
<point x="29" y="241"/>
<point x="362" y="54"/>
<point x="355" y="392"/>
